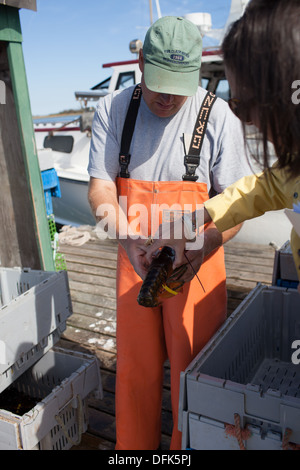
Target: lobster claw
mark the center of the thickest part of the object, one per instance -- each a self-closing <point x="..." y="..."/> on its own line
<point x="178" y="272"/>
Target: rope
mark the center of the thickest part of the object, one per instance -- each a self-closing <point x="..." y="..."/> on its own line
<point x="286" y="444"/>
<point x="72" y="236"/>
<point x="236" y="431"/>
<point x="286" y="437"/>
<point x="244" y="434"/>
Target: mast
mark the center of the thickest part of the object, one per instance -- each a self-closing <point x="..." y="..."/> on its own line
<point x="151" y="11"/>
<point x="157" y="9"/>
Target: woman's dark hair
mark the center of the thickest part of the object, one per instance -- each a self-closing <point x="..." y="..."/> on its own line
<point x="262" y="51"/>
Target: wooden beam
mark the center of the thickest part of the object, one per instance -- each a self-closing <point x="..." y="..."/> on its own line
<point x="27" y="4"/>
<point x="16" y="217"/>
<point x="10" y="29"/>
<point x="23" y="202"/>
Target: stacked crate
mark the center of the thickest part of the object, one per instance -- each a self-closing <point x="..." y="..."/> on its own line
<point x="34" y="308"/>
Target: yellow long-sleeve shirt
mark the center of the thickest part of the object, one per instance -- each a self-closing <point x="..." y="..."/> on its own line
<point x="251" y="197"/>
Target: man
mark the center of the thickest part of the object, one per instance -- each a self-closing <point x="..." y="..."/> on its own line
<point x="159" y="171"/>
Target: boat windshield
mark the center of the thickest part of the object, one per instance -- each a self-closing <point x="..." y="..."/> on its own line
<point x="125" y="80"/>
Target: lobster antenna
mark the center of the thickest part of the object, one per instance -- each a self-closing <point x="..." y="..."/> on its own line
<point x="194" y="272"/>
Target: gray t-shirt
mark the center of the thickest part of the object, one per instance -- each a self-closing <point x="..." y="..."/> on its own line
<point x="159" y="144"/>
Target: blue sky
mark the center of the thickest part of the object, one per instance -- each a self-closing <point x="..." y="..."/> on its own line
<point x="66" y="42"/>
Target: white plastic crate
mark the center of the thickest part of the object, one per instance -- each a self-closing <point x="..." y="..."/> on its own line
<point x="61" y="381"/>
<point x="246" y="371"/>
<point x="34" y="308"/>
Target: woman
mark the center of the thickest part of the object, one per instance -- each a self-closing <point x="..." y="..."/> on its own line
<point x="262" y="60"/>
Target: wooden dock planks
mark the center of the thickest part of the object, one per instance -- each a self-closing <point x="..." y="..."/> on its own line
<point x="92" y="327"/>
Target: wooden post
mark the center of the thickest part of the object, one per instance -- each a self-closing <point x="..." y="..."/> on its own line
<point x="24" y="231"/>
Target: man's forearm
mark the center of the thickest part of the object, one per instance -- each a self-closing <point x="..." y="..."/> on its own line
<point x="105" y="206"/>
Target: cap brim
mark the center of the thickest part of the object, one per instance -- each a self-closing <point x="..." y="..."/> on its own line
<point x="160" y="80"/>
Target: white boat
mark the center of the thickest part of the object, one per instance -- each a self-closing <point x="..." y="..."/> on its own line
<point x="63" y="141"/>
<point x="63" y="145"/>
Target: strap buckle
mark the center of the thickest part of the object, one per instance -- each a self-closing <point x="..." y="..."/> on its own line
<point x="191" y="163"/>
<point x="124" y="161"/>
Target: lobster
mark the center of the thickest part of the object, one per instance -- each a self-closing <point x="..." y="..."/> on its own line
<point x="161" y="281"/>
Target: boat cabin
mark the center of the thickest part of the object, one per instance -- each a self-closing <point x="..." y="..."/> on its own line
<point x="127" y="73"/>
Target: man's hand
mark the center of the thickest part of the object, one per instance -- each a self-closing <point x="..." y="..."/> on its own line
<point x="208" y="239"/>
<point x="193" y="260"/>
<point x="136" y="252"/>
<point x="176" y="235"/>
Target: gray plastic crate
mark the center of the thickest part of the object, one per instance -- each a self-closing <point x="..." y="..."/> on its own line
<point x="208" y="434"/>
<point x="62" y="380"/>
<point x="34" y="308"/>
<point x="246" y="369"/>
<point x="284" y="269"/>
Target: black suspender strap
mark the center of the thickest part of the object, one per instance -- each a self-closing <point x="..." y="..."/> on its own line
<point x="128" y="129"/>
<point x="192" y="160"/>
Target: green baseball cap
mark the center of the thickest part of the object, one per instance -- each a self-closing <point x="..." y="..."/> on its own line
<point x="172" y="53"/>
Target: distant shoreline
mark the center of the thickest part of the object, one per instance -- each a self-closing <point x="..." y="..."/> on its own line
<point x="69" y="112"/>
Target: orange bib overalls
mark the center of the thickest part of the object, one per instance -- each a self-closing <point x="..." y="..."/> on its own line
<point x="177" y="329"/>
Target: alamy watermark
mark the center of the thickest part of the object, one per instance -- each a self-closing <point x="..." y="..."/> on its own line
<point x="296" y="354"/>
<point x="160" y="220"/>
<point x="296" y="93"/>
<point x="2" y="92"/>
